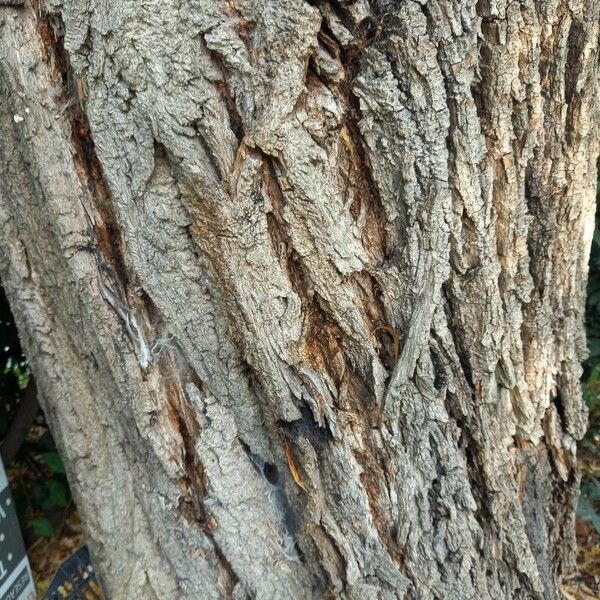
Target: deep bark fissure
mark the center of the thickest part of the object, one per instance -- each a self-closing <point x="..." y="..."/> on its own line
<point x="106" y="231"/>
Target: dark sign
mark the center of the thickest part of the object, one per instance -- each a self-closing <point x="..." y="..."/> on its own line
<point x="16" y="582"/>
<point x="75" y="579"/>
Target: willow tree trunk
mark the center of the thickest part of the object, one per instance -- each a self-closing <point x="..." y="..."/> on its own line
<point x="302" y="286"/>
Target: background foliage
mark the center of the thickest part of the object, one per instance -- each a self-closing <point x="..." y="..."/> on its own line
<point x="589" y="502"/>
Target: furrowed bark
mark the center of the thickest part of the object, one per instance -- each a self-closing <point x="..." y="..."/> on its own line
<point x="302" y="286"/>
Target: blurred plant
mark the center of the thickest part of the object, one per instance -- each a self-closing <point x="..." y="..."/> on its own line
<point x="589" y="502"/>
<point x="35" y="470"/>
<point x="590" y="495"/>
<point x="14" y="373"/>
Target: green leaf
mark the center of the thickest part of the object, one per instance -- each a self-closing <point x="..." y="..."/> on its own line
<point x="53" y="460"/>
<point x="594" y="375"/>
<point x="42" y="527"/>
<point x="57" y="492"/>
<point x="46" y="442"/>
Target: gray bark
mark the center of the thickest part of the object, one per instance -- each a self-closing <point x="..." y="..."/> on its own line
<point x="302" y="286"/>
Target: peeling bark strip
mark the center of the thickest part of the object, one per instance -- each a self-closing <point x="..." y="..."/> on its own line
<point x="302" y="285"/>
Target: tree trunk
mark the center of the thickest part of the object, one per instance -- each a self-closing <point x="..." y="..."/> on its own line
<point x="302" y="286"/>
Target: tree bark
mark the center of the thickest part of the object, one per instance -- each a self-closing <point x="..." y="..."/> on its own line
<point x="302" y="286"/>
